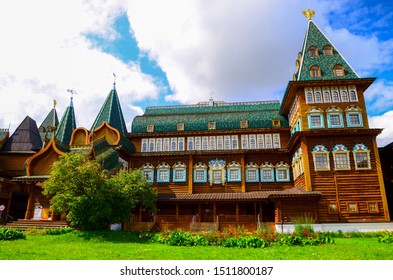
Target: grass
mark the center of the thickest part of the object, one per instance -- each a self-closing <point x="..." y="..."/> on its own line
<point x="127" y="246"/>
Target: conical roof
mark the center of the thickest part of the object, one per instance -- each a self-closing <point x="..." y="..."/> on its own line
<point x="315" y="53"/>
<point x="111" y="113"/>
<point x="48" y="123"/>
<point x="67" y="125"/>
<point x="25" y="138"/>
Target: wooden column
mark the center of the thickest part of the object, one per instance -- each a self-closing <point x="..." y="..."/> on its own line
<point x="278" y="213"/>
<point x="243" y="174"/>
<point x="306" y="165"/>
<point x="29" y="203"/>
<point x="190" y="173"/>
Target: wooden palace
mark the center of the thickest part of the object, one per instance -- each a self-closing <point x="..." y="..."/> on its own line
<point x="216" y="164"/>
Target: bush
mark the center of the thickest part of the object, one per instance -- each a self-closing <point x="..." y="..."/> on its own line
<point x="386" y="237"/>
<point x="48" y="231"/>
<point x="10" y="234"/>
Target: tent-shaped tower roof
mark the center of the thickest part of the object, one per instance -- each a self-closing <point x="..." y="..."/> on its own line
<point x="67" y="125"/>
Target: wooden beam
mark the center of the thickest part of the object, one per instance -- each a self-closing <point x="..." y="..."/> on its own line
<point x="243" y="174"/>
<point x="190" y="173"/>
<point x="306" y="165"/>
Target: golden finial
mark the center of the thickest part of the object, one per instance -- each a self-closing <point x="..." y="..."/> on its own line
<point x="308" y="14"/>
<point x="54" y="103"/>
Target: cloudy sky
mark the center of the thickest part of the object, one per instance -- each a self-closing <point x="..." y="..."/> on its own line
<point x="179" y="52"/>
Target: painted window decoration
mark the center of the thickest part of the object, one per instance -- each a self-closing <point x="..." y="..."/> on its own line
<point x="267" y="172"/>
<point x="297" y="164"/>
<point x="220" y="143"/>
<point x="318" y="95"/>
<point x="353" y="95"/>
<point x="227" y="142"/>
<point x="212" y="125"/>
<point x="361" y="155"/>
<point x="243" y="124"/>
<point x="344" y="94"/>
<point x="152" y="144"/>
<point x="282" y="172"/>
<point x="252" y="172"/>
<point x="200" y="173"/>
<point x="212" y="143"/>
<point x="315" y="118"/>
<point x="180" y="144"/>
<point x="166" y="144"/>
<point x="261" y="141"/>
<point x="338" y="71"/>
<point x="353" y="207"/>
<point x="234" y="172"/>
<point x="276" y="141"/>
<point x="144" y="145"/>
<point x="198" y="143"/>
<point x="190" y="144"/>
<point x="354" y="116"/>
<point x="180" y="127"/>
<point x="372" y="207"/>
<point x="326" y="95"/>
<point x="173" y="144"/>
<point x="205" y="143"/>
<point x="341" y="157"/>
<point x="244" y="142"/>
<point x="315" y="72"/>
<point x="334" y="117"/>
<point x="253" y="141"/>
<point x="148" y="172"/>
<point x="163" y="173"/>
<point x="235" y="143"/>
<point x="179" y="172"/>
<point x="217" y="172"/>
<point x="268" y="141"/>
<point x="159" y="145"/>
<point x="309" y="95"/>
<point x="321" y="158"/>
<point x="332" y="208"/>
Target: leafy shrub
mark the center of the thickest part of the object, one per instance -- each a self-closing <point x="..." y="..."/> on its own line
<point x="47" y="231"/>
<point x="10" y="234"/>
<point x="386" y="237"/>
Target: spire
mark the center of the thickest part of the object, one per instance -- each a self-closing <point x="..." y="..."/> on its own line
<point x="111" y="113"/>
<point x="67" y="124"/>
<point x="46" y="127"/>
<point x="319" y="58"/>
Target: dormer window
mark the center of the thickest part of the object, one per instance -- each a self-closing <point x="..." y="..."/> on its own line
<point x="276" y="123"/>
<point x="150" y="128"/>
<point x="313" y="51"/>
<point x="315" y="72"/>
<point x="212" y="125"/>
<point x="243" y="124"/>
<point x="327" y="51"/>
<point x="180" y="127"/>
<point x="339" y="71"/>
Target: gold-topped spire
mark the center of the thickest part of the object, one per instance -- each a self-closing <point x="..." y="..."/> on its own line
<point x="54" y="103"/>
<point x="309" y="14"/>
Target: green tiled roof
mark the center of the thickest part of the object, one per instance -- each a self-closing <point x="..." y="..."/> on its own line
<point x="315" y="37"/>
<point x="106" y="155"/>
<point x="227" y="116"/>
<point x="111" y="113"/>
<point x="48" y="121"/>
<point x="66" y="126"/>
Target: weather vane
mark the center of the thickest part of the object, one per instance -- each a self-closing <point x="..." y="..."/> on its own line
<point x="114" y="80"/>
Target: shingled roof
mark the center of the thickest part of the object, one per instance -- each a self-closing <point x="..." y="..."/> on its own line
<point x="67" y="125"/>
<point x="227" y="116"/>
<point x="48" y="122"/>
<point x="25" y="138"/>
<point x="296" y="192"/>
<point x="111" y="113"/>
<point x="316" y="38"/>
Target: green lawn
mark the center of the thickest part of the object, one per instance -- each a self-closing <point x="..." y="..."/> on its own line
<point x="125" y="246"/>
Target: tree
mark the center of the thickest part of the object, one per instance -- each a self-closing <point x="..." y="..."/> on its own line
<point x="77" y="186"/>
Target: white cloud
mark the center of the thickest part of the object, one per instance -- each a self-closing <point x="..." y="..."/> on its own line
<point x="44" y="52"/>
<point x="384" y="121"/>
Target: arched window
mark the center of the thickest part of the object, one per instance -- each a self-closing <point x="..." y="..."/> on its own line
<point x="327" y="50"/>
<point x="148" y="172"/>
<point x="318" y="96"/>
<point x="179" y="172"/>
<point x="315" y="72"/>
<point x="190" y="143"/>
<point x="144" y="145"/>
<point x="339" y="71"/>
<point x="313" y="51"/>
<point x="309" y="97"/>
<point x="321" y="158"/>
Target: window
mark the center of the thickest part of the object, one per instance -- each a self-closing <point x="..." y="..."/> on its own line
<point x="372" y="207"/>
<point x="180" y="142"/>
<point x="353" y="95"/>
<point x="353" y="207"/>
<point x="318" y="96"/>
<point x="179" y="172"/>
<point x="243" y="124"/>
<point x="334" y="117"/>
<point x="163" y="173"/>
<point x="327" y="50"/>
<point x="212" y="143"/>
<point x="335" y="96"/>
<point x="217" y="175"/>
<point x="315" y="72"/>
<point x="354" y="116"/>
<point x="344" y="94"/>
<point x="361" y="156"/>
<point x="315" y="118"/>
<point x="332" y="208"/>
<point x="200" y="173"/>
<point x="173" y="144"/>
<point x="276" y="123"/>
<point x="220" y="145"/>
<point x="338" y="71"/>
<point x="227" y="142"/>
<point x="313" y="51"/>
<point x="321" y="158"/>
<point x="205" y="143"/>
<point x="144" y="145"/>
<point x="253" y="141"/>
<point x="234" y="142"/>
<point x="150" y="128"/>
<point x="148" y="172"/>
<point x="309" y="95"/>
<point x="261" y="141"/>
<point x="234" y="172"/>
<point x="276" y="141"/>
<point x="326" y="95"/>
<point x="159" y="144"/>
<point x="252" y="172"/>
<point x="267" y="172"/>
<point x="198" y="143"/>
<point x="180" y="127"/>
<point x="166" y="144"/>
<point x="244" y="142"/>
<point x="152" y="144"/>
<point x="212" y="125"/>
<point x="190" y="141"/>
<point x="341" y="157"/>
<point x="282" y="172"/>
<point x="217" y="172"/>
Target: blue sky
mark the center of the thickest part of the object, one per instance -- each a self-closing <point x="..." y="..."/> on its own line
<point x="179" y="52"/>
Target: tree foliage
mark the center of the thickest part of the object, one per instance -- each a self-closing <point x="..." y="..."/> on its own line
<point x="77" y="186"/>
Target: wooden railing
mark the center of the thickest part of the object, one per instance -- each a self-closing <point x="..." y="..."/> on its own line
<point x="237" y="219"/>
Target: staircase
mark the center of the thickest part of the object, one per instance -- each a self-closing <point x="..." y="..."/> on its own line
<point x="26" y="224"/>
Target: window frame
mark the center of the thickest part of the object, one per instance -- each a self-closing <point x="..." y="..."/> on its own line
<point x="197" y="168"/>
<point x="356" y="204"/>
<point x="321" y="150"/>
<point x="282" y="167"/>
<point x="268" y="167"/>
<point x="232" y="167"/>
<point x="163" y="168"/>
<point x="361" y="148"/>
<point x="150" y="128"/>
<point x="376" y="207"/>
<point x="179" y="166"/>
<point x="180" y="127"/>
<point x="251" y="166"/>
<point x="340" y="149"/>
<point x="148" y="168"/>
<point x="211" y="125"/>
<point x="333" y="211"/>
